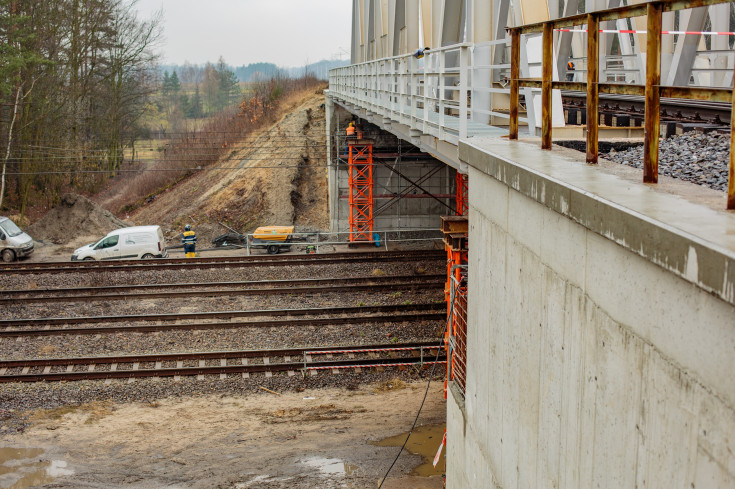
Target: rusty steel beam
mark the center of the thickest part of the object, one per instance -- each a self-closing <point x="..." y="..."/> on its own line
<point x="628" y="11"/>
<point x="653" y="98"/>
<point x="530" y="83"/>
<point x="593" y="78"/>
<point x="515" y="60"/>
<point x="697" y="93"/>
<point x="548" y="61"/>
<point x="569" y="85"/>
<point x="621" y="89"/>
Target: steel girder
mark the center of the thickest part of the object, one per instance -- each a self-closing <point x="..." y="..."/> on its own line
<point x="385" y="28"/>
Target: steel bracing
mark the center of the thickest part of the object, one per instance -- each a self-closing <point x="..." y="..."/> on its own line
<point x="462" y="198"/>
<point x="361" y="191"/>
<point x="699" y="55"/>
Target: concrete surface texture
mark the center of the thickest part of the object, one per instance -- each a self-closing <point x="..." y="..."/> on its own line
<point x="601" y="331"/>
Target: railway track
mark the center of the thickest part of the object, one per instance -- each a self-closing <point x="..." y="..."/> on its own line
<point x="218" y="262"/>
<point x="213" y="289"/>
<point x="59" y="326"/>
<point x="692" y="112"/>
<point x="221" y="363"/>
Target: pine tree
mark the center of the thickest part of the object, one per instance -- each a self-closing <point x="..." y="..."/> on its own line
<point x="195" y="108"/>
<point x="174" y="84"/>
<point x="166" y="84"/>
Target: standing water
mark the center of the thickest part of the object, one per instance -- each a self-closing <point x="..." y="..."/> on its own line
<point x="424" y="441"/>
<point x="24" y="467"/>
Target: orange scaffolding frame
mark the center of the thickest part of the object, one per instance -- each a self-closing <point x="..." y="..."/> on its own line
<point x="461" y="199"/>
<point x="360" y="182"/>
<point x="456" y="244"/>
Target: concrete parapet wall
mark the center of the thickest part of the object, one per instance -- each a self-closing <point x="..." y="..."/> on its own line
<point x="601" y="331"/>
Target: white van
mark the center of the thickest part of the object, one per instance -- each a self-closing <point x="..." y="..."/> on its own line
<point x="138" y="242"/>
<point x="14" y="243"/>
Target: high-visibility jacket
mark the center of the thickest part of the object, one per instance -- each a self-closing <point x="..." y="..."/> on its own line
<point x="189" y="238"/>
<point x="570" y="65"/>
<point x="350" y="130"/>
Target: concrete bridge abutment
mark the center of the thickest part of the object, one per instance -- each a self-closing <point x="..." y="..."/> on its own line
<point x="601" y="330"/>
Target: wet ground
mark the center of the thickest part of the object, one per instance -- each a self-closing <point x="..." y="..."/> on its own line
<point x="325" y="438"/>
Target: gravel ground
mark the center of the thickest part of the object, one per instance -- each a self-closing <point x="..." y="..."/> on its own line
<point x="17" y="400"/>
<point x="98" y="279"/>
<point x="698" y="158"/>
<point x="215" y="303"/>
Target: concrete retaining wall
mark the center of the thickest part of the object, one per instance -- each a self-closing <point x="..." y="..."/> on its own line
<point x="601" y="332"/>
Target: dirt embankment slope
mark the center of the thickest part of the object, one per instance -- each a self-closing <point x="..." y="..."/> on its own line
<point x="277" y="176"/>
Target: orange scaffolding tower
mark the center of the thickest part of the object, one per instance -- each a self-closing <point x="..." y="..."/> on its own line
<point x="461" y="200"/>
<point x="456" y="244"/>
<point x="360" y="181"/>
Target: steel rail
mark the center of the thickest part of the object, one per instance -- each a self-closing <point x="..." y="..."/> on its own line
<point x="199" y="355"/>
<point x="217" y="262"/>
<point x="315" y="311"/>
<point x="20" y="296"/>
<point x="202" y="285"/>
<point x="676" y="109"/>
<point x="295" y="323"/>
<point x="159" y="371"/>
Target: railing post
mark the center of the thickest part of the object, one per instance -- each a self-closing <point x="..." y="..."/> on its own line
<point x="440" y="90"/>
<point x="515" y="59"/>
<point x="653" y="98"/>
<point x="413" y="89"/>
<point x="463" y="54"/>
<point x="731" y="177"/>
<point x="548" y="61"/>
<point x="593" y="77"/>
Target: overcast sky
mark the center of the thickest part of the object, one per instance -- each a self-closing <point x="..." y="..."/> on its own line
<point x="285" y="32"/>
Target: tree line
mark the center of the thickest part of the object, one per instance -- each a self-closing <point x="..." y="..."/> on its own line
<point x="75" y="79"/>
<point x="79" y="85"/>
<point x="207" y="91"/>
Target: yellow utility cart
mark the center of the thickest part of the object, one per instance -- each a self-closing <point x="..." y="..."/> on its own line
<point x="273" y="239"/>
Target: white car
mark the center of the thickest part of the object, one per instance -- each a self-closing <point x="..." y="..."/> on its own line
<point x="134" y="243"/>
<point x="14" y="243"/>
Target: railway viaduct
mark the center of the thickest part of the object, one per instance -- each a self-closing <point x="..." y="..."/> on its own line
<point x="600" y="321"/>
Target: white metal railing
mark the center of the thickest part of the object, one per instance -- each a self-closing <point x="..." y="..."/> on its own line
<point x="316" y="240"/>
<point x="446" y="94"/>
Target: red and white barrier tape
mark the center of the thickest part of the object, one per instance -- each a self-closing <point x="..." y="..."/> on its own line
<point x="441" y="445"/>
<point x="628" y="31"/>
<point x="371" y="350"/>
<point x="374" y="365"/>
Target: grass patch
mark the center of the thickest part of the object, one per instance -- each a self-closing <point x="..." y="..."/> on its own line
<point x="377" y="272"/>
<point x="94" y="411"/>
<point x="46" y="349"/>
<point x="394" y="384"/>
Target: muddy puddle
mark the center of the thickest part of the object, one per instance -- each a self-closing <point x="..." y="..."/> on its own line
<point x="27" y="467"/>
<point x="332" y="466"/>
<point x="424" y="441"/>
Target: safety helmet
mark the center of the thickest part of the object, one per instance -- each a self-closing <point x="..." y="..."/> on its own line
<point x="352" y="124"/>
<point x="187" y="228"/>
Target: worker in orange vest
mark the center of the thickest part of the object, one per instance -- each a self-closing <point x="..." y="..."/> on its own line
<point x="570" y="71"/>
<point x="351" y="131"/>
